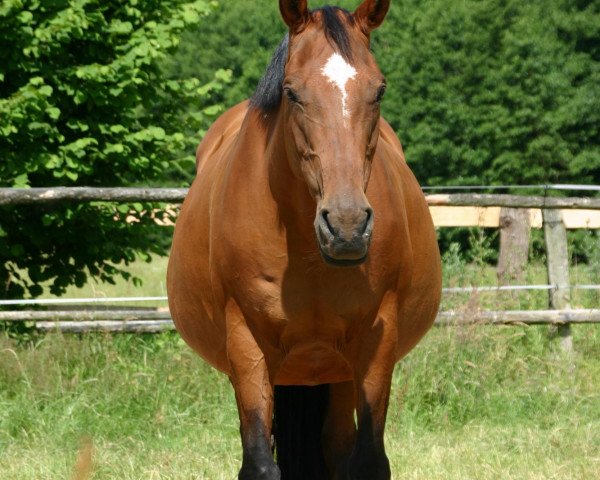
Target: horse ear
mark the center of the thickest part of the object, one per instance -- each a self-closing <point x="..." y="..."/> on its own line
<point x="370" y="14"/>
<point x="295" y="13"/>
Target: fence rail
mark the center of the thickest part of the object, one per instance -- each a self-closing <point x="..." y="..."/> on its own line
<point x="153" y="321"/>
<point x="472" y="289"/>
<point x="107" y="326"/>
<point x="511" y="201"/>
<point x="33" y="196"/>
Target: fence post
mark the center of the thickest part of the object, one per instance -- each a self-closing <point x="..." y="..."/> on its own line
<point x="555" y="235"/>
<point x="515" y="231"/>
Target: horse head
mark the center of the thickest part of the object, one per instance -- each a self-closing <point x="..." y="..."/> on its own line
<point x="332" y="90"/>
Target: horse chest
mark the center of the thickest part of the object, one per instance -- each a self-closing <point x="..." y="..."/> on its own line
<point x="305" y="331"/>
<point x="305" y="322"/>
<point x="287" y="297"/>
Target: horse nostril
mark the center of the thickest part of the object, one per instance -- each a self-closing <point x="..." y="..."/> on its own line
<point x="326" y="223"/>
<point x="368" y="225"/>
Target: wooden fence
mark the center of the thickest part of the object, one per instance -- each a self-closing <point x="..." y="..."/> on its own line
<point x="553" y="214"/>
<point x="159" y="320"/>
<point x="32" y="196"/>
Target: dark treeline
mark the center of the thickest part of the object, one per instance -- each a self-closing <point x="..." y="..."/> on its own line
<point x="479" y="91"/>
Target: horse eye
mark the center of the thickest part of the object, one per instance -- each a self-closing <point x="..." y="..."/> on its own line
<point x="291" y="95"/>
<point x="380" y="94"/>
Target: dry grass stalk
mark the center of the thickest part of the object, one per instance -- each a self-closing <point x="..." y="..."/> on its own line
<point x="83" y="465"/>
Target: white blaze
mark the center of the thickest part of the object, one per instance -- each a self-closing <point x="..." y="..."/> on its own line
<point x="338" y="71"/>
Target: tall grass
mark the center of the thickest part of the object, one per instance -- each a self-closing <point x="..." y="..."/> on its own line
<point x="468" y="402"/>
<point x="145" y="402"/>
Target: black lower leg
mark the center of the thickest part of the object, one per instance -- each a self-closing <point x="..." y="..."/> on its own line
<point x="257" y="460"/>
<point x="368" y="460"/>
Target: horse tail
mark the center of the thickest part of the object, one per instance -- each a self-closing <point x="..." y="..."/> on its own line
<point x="298" y="425"/>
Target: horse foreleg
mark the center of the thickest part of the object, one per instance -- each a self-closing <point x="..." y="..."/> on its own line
<point x="373" y="382"/>
<point x="339" y="431"/>
<point x="254" y="397"/>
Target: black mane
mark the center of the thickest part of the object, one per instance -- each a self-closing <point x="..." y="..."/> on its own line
<point x="267" y="95"/>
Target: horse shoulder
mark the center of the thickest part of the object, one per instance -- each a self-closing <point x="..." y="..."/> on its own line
<point x="389" y="137"/>
<point x="391" y="148"/>
<point x="421" y="297"/>
<point x="424" y="257"/>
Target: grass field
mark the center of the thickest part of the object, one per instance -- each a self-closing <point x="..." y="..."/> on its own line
<point x="468" y="403"/>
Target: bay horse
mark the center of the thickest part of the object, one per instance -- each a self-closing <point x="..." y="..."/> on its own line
<point x="304" y="262"/>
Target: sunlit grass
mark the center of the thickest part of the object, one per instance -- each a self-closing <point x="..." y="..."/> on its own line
<point x="145" y="403"/>
<point x="472" y="402"/>
<point x="153" y="277"/>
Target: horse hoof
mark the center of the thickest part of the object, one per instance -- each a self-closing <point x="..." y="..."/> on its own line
<point x="270" y="472"/>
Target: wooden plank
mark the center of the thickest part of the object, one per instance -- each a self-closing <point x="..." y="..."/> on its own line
<point x="84" y="315"/>
<point x="526" y="317"/>
<point x="465" y="216"/>
<point x="159" y="321"/>
<point x="513" y="201"/>
<point x="34" y="196"/>
<point x="489" y="217"/>
<point x="543" y="317"/>
<point x="588" y="219"/>
<point x="136" y="326"/>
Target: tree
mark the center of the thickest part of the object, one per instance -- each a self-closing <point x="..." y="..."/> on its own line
<point x="84" y="101"/>
<point x="241" y="37"/>
<point x="495" y="91"/>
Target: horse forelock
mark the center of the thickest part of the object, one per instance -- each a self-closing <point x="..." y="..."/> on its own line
<point x="267" y="96"/>
<point x="336" y="30"/>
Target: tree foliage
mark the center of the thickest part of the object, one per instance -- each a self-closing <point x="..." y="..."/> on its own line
<point x="84" y="101"/>
<point x="496" y="91"/>
<point x="240" y="37"/>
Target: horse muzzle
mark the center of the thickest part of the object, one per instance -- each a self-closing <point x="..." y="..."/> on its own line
<point x="344" y="237"/>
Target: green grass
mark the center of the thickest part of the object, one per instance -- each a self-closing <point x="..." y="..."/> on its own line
<point x="147" y="402"/>
<point x="473" y="402"/>
<point x="153" y="275"/>
<point x="470" y="402"/>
